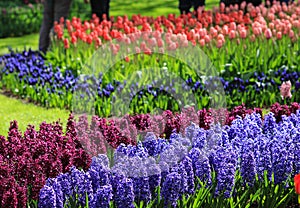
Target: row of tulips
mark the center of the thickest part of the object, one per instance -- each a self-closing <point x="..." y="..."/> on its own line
<point x="250" y="163"/>
<point x="28" y="160"/>
<point x="223" y="35"/>
<point x="29" y="76"/>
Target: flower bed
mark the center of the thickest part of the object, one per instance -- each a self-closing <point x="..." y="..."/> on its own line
<point x="246" y="77"/>
<point x="243" y="163"/>
<point x="48" y="152"/>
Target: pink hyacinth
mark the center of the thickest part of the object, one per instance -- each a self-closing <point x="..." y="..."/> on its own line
<point x="285" y="90"/>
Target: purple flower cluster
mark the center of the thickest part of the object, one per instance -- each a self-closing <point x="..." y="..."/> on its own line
<point x="249" y="145"/>
<point x="26" y="161"/>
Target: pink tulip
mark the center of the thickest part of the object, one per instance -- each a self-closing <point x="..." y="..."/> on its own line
<point x="279" y="35"/>
<point x="202" y="42"/>
<point x="271" y="25"/>
<point x="285" y="90"/>
<point x="243" y="5"/>
<point x="256" y="31"/>
<point x="252" y="38"/>
<point x="219" y="43"/>
<point x="232" y="34"/>
<point x="161" y="50"/>
<point x="225" y="30"/>
<point x="268" y="33"/>
<point x="222" y="7"/>
<point x="207" y="39"/>
<point x="221" y="37"/>
<point x="137" y="50"/>
<point x="243" y="33"/>
<point x="291" y="34"/>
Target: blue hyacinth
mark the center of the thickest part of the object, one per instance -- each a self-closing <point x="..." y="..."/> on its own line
<point x="47" y="197"/>
<point x="103" y="196"/>
<point x="171" y="189"/>
<point x="124" y="195"/>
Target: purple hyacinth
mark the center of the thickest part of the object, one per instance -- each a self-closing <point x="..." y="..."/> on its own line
<point x="47" y="197"/>
<point x="65" y="184"/>
<point x="124" y="196"/>
<point x="140" y="180"/>
<point x="171" y="189"/>
<point x="154" y="174"/>
<point x="103" y="196"/>
<point x="296" y="151"/>
<point x="165" y="169"/>
<point x="82" y="183"/>
<point x="199" y="138"/>
<point x="269" y="123"/>
<point x="58" y="191"/>
<point x="99" y="174"/>
<point x="224" y="163"/>
<point x="282" y="167"/>
<point x="263" y="157"/>
<point x="248" y="167"/>
<point x="187" y="165"/>
<point x="202" y="169"/>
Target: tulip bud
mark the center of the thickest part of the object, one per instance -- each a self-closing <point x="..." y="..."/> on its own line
<point x="268" y="33"/>
<point x="279" y="35"/>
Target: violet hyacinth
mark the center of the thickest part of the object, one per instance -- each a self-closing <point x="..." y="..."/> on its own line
<point x="296" y="151"/>
<point x="58" y="191"/>
<point x="248" y="167"/>
<point x="47" y="197"/>
<point x="103" y="196"/>
<point x="81" y="182"/>
<point x="99" y="174"/>
<point x="187" y="165"/>
<point x="171" y="189"/>
<point x="154" y="174"/>
<point x="224" y="163"/>
<point x="201" y="165"/>
<point x="281" y="166"/>
<point x="124" y="195"/>
<point x="263" y="156"/>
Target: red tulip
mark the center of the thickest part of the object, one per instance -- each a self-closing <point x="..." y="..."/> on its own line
<point x="297" y="183"/>
<point x="66" y="43"/>
<point x="297" y="186"/>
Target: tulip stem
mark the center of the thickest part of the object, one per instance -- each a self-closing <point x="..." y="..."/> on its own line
<point x="299" y="199"/>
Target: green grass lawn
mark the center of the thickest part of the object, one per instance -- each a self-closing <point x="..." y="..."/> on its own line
<point x="14" y="109"/>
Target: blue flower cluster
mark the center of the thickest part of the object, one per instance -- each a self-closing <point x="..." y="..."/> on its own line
<point x="31" y="69"/>
<point x="27" y="74"/>
<point x="251" y="146"/>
